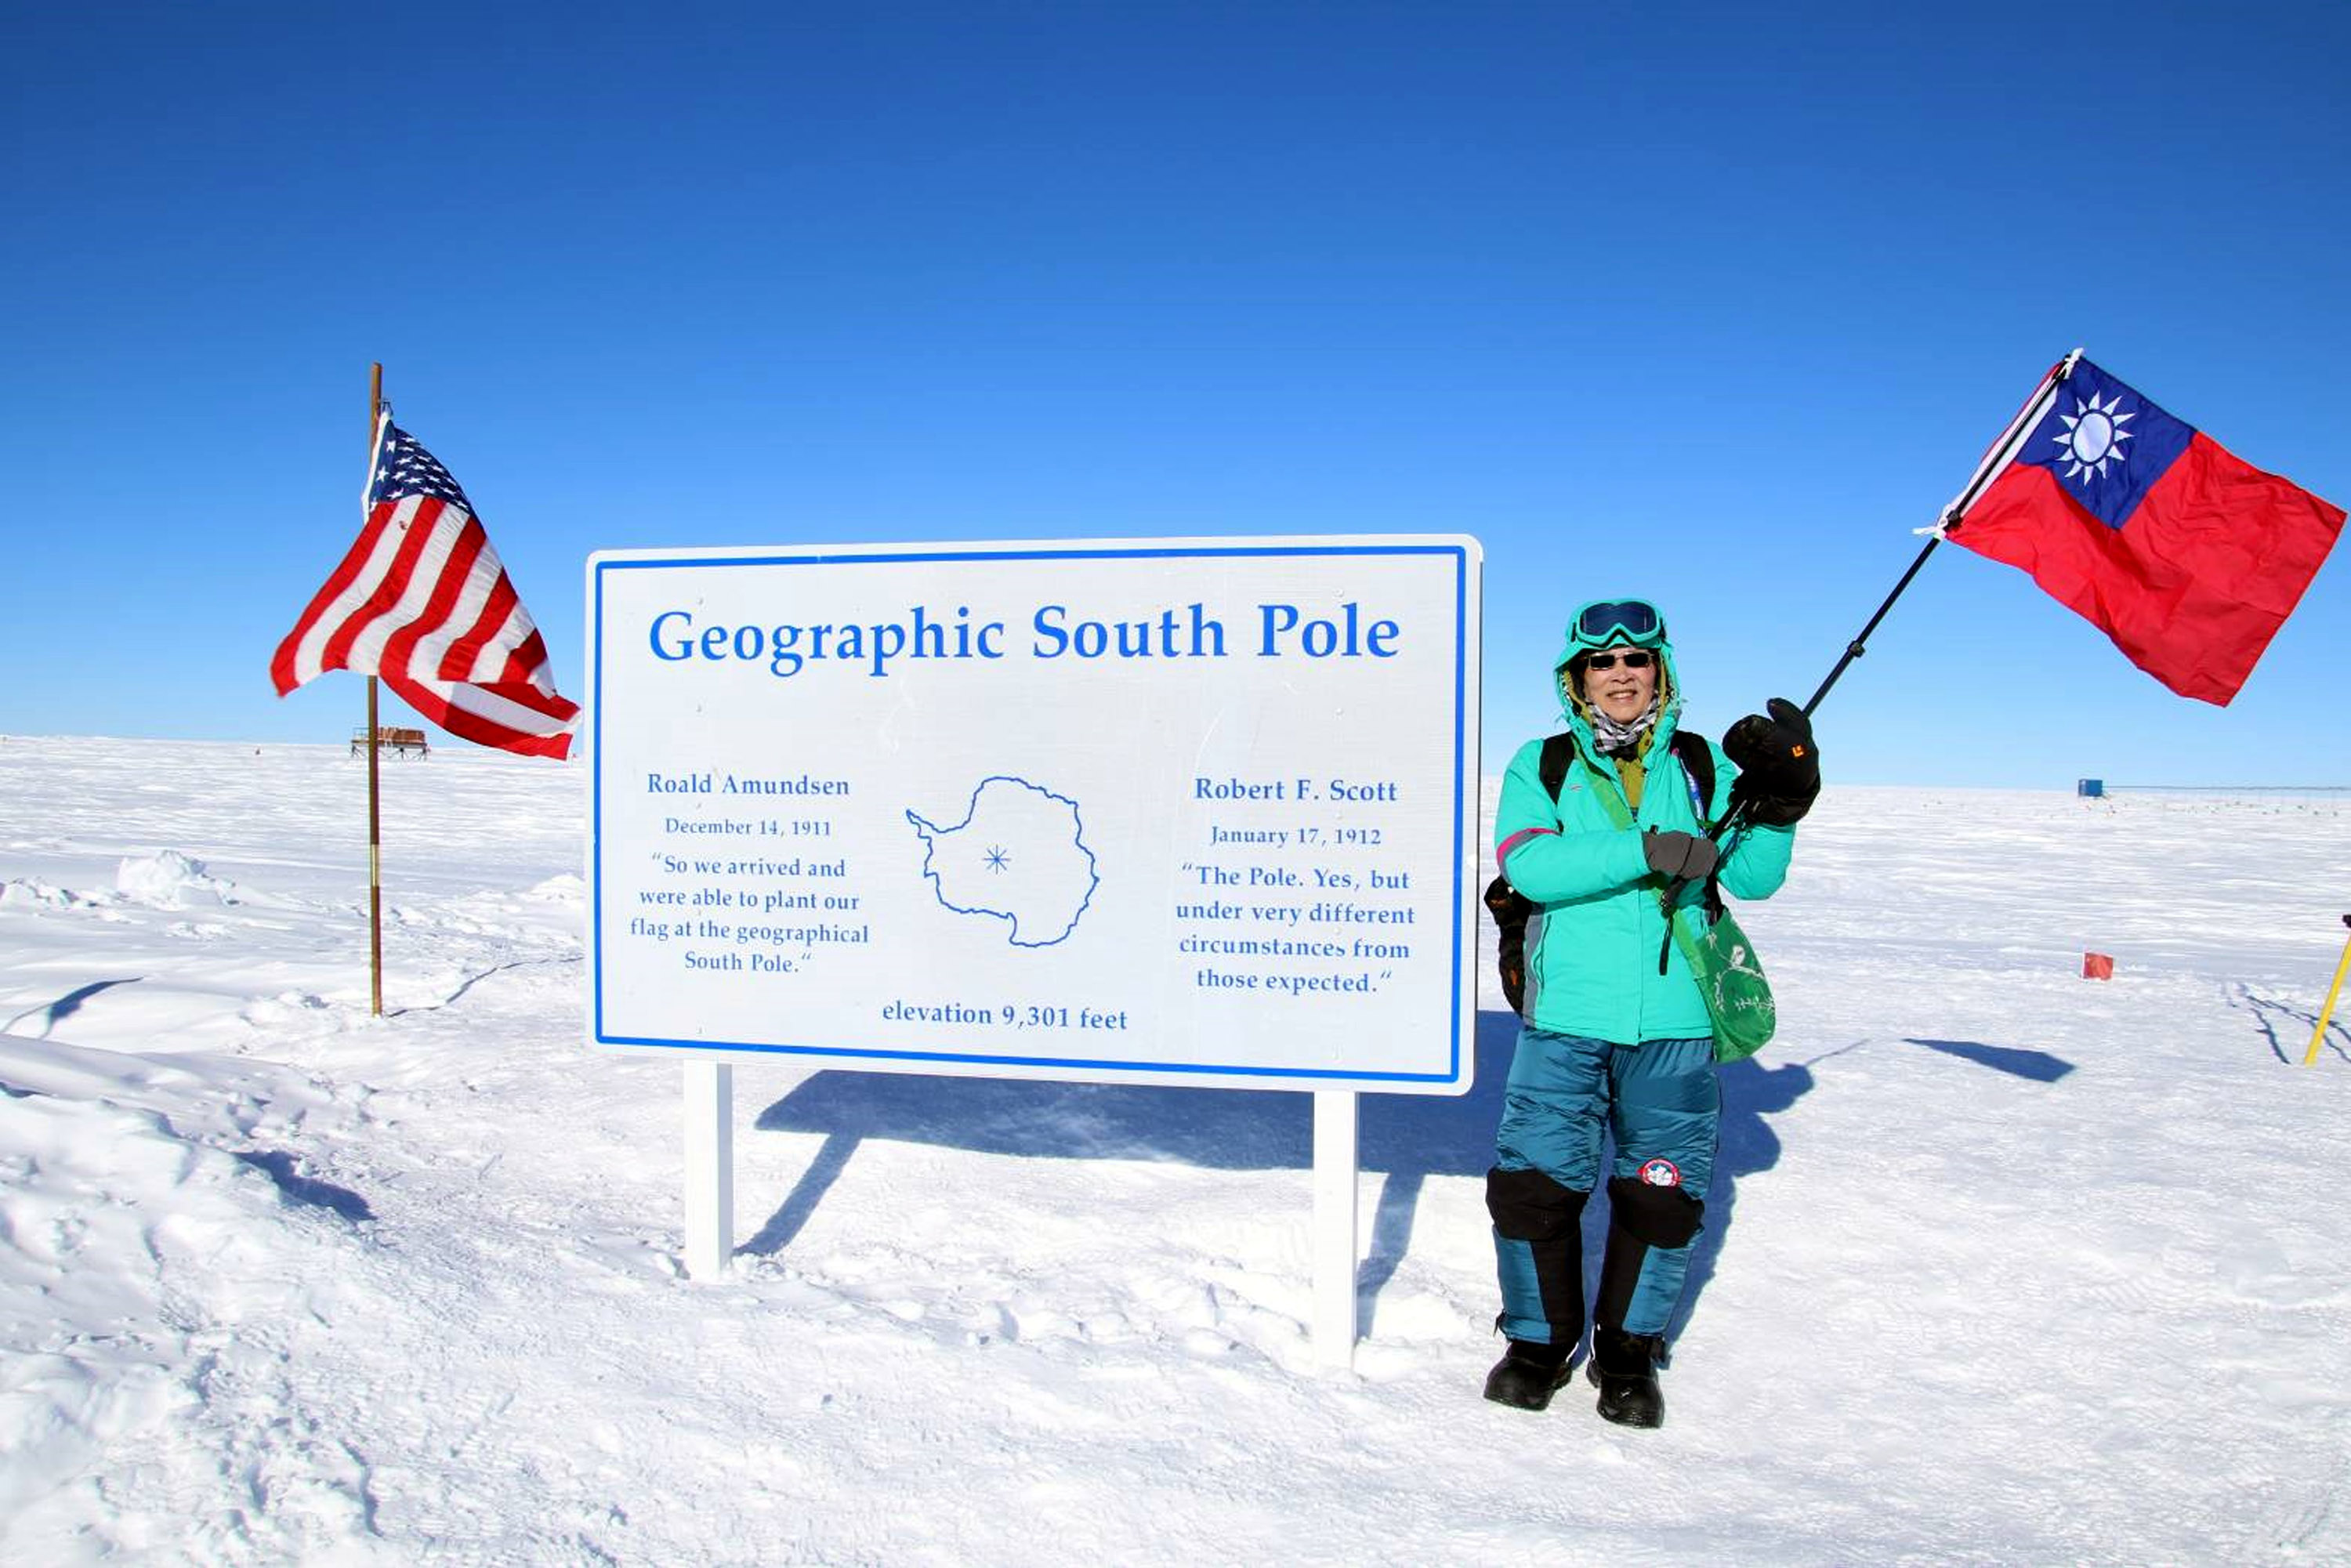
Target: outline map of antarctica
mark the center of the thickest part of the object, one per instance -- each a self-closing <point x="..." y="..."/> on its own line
<point x="1019" y="854"/>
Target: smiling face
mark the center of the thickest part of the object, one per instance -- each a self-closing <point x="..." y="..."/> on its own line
<point x="1623" y="689"/>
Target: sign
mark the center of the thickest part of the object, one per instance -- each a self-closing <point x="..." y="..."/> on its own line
<point x="1169" y="811"/>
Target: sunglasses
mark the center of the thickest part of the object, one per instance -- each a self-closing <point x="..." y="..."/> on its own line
<point x="1632" y="618"/>
<point x="1634" y="658"/>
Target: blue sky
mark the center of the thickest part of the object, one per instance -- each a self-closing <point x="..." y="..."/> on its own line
<point x="1713" y="304"/>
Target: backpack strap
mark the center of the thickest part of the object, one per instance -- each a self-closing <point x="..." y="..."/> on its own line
<point x="1698" y="761"/>
<point x="1558" y="757"/>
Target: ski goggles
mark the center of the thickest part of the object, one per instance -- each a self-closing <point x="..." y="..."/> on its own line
<point x="1607" y="621"/>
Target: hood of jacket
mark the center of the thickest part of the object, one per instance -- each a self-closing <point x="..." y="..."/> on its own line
<point x="1578" y="714"/>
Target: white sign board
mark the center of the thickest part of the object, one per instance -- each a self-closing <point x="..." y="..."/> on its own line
<point x="1168" y="811"/>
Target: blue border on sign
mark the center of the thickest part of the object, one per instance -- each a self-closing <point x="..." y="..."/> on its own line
<point x="855" y="1054"/>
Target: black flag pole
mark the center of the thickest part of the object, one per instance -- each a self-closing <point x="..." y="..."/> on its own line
<point x="1996" y="460"/>
<point x="1857" y="647"/>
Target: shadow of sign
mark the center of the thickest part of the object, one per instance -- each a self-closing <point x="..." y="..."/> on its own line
<point x="2037" y="1065"/>
<point x="1409" y="1136"/>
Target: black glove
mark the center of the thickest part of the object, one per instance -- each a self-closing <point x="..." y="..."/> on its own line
<point x="1510" y="909"/>
<point x="1779" y="766"/>
<point x="1680" y="857"/>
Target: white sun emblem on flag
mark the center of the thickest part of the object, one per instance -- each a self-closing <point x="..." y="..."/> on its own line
<point x="2093" y="436"/>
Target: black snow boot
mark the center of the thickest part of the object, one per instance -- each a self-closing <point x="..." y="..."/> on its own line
<point x="1529" y="1374"/>
<point x="1623" y="1367"/>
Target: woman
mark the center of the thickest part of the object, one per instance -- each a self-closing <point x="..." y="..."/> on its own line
<point x="1616" y="1032"/>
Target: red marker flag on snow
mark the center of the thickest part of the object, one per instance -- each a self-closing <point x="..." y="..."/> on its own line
<point x="421" y="601"/>
<point x="2187" y="558"/>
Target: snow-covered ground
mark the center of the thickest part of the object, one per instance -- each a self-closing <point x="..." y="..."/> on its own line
<point x="2003" y="1265"/>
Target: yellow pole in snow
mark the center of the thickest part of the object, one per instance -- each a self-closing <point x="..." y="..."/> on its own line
<point x="2332" y="991"/>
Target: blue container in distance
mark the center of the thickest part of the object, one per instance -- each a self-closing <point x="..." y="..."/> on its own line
<point x="2090" y="788"/>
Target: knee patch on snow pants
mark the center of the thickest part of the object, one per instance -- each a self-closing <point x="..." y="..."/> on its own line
<point x="1640" y="1217"/>
<point x="1528" y="1206"/>
<point x="1538" y="1255"/>
<point x="1659" y="1216"/>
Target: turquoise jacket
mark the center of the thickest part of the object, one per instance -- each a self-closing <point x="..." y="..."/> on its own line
<point x="1592" y="942"/>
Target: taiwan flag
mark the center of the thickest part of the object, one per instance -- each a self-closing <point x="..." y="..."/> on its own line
<point x="2187" y="558"/>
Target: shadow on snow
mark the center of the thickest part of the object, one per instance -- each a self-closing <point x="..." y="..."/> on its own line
<point x="2302" y="1025"/>
<point x="1410" y="1138"/>
<point x="1751" y="1092"/>
<point x="52" y="1014"/>
<point x="310" y="1192"/>
<point x="2037" y="1065"/>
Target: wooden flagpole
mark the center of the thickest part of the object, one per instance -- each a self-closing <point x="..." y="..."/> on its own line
<point x="375" y="798"/>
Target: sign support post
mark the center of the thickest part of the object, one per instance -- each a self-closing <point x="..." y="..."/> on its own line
<point x="1333" y="1317"/>
<point x="709" y="1168"/>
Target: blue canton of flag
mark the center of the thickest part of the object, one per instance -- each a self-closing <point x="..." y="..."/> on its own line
<point x="405" y="468"/>
<point x="2105" y="443"/>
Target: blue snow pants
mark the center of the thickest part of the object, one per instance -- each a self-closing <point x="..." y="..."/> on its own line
<point x="1660" y="1102"/>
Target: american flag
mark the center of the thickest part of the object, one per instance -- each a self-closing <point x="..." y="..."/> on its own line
<point x="422" y="600"/>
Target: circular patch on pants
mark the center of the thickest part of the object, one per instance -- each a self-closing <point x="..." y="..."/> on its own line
<point x="1661" y="1173"/>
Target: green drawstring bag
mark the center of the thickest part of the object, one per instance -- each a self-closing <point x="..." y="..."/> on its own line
<point x="1731" y="978"/>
